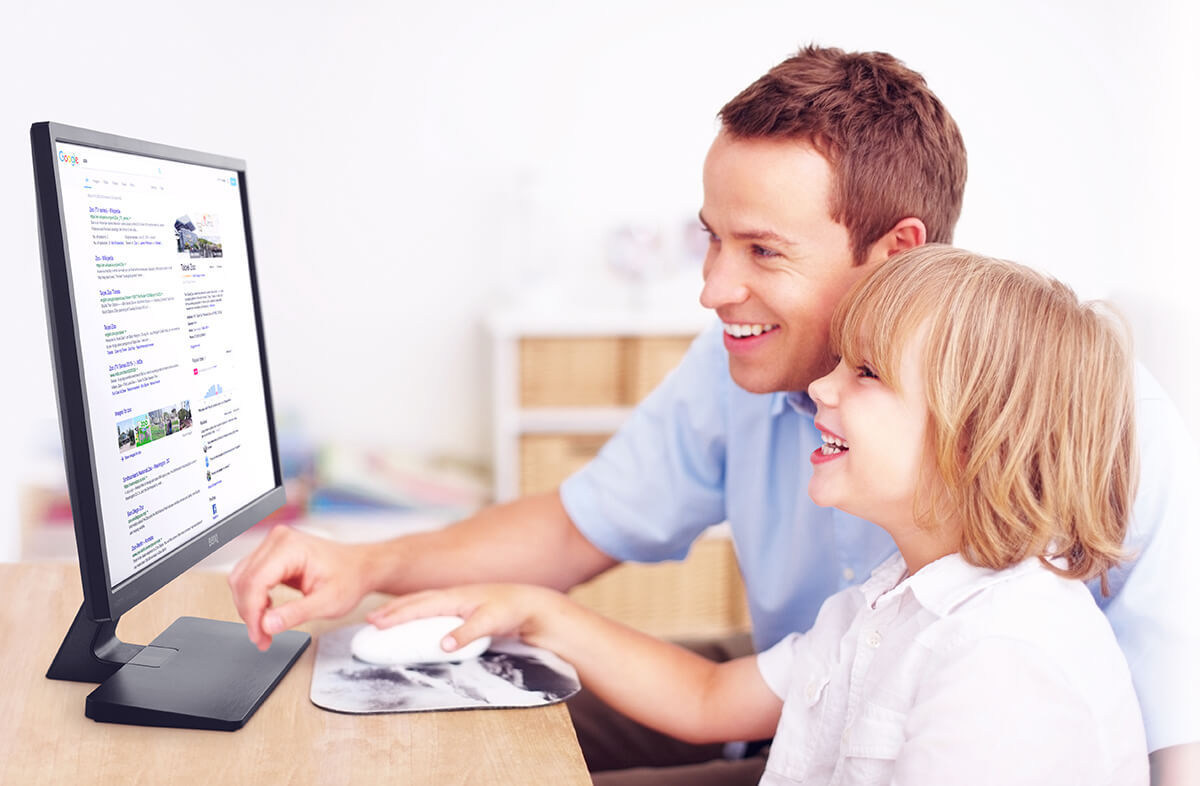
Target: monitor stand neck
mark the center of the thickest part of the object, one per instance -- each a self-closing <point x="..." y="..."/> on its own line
<point x="91" y="651"/>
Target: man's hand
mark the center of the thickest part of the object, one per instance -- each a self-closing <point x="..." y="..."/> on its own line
<point x="332" y="576"/>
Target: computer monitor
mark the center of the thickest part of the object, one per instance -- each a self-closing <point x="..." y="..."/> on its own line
<point x="165" y="408"/>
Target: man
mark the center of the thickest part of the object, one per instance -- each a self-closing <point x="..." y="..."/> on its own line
<point x="824" y="167"/>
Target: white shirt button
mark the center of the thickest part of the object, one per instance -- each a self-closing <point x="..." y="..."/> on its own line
<point x="813" y="689"/>
<point x="848" y="574"/>
<point x="874" y="640"/>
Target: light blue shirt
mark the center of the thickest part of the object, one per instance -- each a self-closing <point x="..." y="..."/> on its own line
<point x="701" y="450"/>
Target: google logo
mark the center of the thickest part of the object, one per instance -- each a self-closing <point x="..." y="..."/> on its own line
<point x="68" y="159"/>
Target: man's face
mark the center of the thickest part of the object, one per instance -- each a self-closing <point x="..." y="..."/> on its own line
<point x="777" y="264"/>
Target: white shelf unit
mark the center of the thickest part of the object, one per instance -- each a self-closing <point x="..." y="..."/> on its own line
<point x="563" y="383"/>
<point x="651" y="340"/>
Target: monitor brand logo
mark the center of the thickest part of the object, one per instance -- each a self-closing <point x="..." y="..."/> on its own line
<point x="212" y="540"/>
<point x="68" y="158"/>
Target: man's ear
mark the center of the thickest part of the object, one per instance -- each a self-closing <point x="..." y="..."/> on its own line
<point x="907" y="233"/>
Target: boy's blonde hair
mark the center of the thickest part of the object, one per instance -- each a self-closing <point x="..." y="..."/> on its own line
<point x="1030" y="397"/>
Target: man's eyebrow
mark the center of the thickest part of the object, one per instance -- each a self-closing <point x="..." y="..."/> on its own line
<point x="763" y="235"/>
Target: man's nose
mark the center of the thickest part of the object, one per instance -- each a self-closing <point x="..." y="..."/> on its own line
<point x="724" y="284"/>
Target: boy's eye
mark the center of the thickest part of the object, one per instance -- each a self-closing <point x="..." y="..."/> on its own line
<point x="867" y="371"/>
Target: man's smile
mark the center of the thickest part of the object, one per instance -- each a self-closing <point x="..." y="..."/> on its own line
<point x="744" y="329"/>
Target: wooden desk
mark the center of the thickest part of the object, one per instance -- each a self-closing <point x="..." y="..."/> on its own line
<point x="45" y="738"/>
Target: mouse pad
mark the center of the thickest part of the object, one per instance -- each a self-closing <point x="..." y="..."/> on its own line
<point x="509" y="674"/>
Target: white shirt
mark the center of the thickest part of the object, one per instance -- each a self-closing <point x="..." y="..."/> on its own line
<point x="701" y="450"/>
<point x="956" y="674"/>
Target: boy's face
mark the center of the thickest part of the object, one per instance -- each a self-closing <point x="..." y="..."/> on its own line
<point x="876" y="440"/>
<point x="777" y="264"/>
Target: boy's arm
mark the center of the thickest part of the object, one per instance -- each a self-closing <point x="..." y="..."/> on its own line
<point x="657" y="684"/>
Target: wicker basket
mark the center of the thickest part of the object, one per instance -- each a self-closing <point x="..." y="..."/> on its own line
<point x="548" y="459"/>
<point x="699" y="597"/>
<point x="596" y="371"/>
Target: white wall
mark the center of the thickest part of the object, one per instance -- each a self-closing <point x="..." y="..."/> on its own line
<point x="410" y="164"/>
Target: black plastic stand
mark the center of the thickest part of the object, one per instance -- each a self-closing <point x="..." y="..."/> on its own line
<point x="91" y="651"/>
<point x="197" y="674"/>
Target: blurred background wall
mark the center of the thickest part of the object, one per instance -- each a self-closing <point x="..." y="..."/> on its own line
<point x="413" y="165"/>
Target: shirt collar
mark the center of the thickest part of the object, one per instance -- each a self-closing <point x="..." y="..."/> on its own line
<point x="798" y="400"/>
<point x="943" y="584"/>
<point x="883" y="578"/>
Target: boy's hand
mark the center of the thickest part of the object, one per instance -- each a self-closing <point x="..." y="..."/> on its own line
<point x="487" y="610"/>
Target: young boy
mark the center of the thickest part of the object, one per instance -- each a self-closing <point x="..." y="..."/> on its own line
<point x="983" y="418"/>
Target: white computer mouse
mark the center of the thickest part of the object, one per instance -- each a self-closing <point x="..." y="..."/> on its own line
<point x="415" y="641"/>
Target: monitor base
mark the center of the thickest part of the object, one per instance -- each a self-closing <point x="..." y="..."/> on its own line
<point x="197" y="674"/>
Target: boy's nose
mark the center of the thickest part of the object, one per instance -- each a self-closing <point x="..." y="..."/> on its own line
<point x="822" y="390"/>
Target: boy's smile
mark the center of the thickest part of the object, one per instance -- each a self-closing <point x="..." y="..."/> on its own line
<point x="832" y="446"/>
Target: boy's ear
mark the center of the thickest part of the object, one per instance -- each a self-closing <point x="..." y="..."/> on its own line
<point x="907" y="233"/>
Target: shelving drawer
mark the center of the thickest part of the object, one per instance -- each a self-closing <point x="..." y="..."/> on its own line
<point x="594" y="371"/>
<point x="571" y="372"/>
<point x="700" y="596"/>
<point x="547" y="459"/>
<point x="650" y="359"/>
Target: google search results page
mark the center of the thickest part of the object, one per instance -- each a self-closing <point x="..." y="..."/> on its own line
<point x="176" y="405"/>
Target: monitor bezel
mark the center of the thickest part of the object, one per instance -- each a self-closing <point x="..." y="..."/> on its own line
<point x="101" y="600"/>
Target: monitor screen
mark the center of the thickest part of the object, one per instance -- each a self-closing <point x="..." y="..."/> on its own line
<point x="164" y="402"/>
<point x="168" y="344"/>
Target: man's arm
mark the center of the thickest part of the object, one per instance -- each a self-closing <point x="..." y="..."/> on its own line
<point x="531" y="539"/>
<point x="674" y="439"/>
<point x="1153" y="606"/>
<point x="1178" y="765"/>
<point x="660" y="685"/>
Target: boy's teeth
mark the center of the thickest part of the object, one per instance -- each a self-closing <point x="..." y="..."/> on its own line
<point x="832" y="445"/>
<point x="738" y="330"/>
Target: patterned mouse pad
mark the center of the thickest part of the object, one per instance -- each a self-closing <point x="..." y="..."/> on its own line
<point x="509" y="674"/>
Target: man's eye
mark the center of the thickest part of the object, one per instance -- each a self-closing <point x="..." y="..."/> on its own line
<point x="867" y="372"/>
<point x="760" y="251"/>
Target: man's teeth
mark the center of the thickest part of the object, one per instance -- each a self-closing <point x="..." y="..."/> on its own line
<point x="741" y="331"/>
<point x="831" y="445"/>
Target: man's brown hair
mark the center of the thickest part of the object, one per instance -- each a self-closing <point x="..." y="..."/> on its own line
<point x="894" y="150"/>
